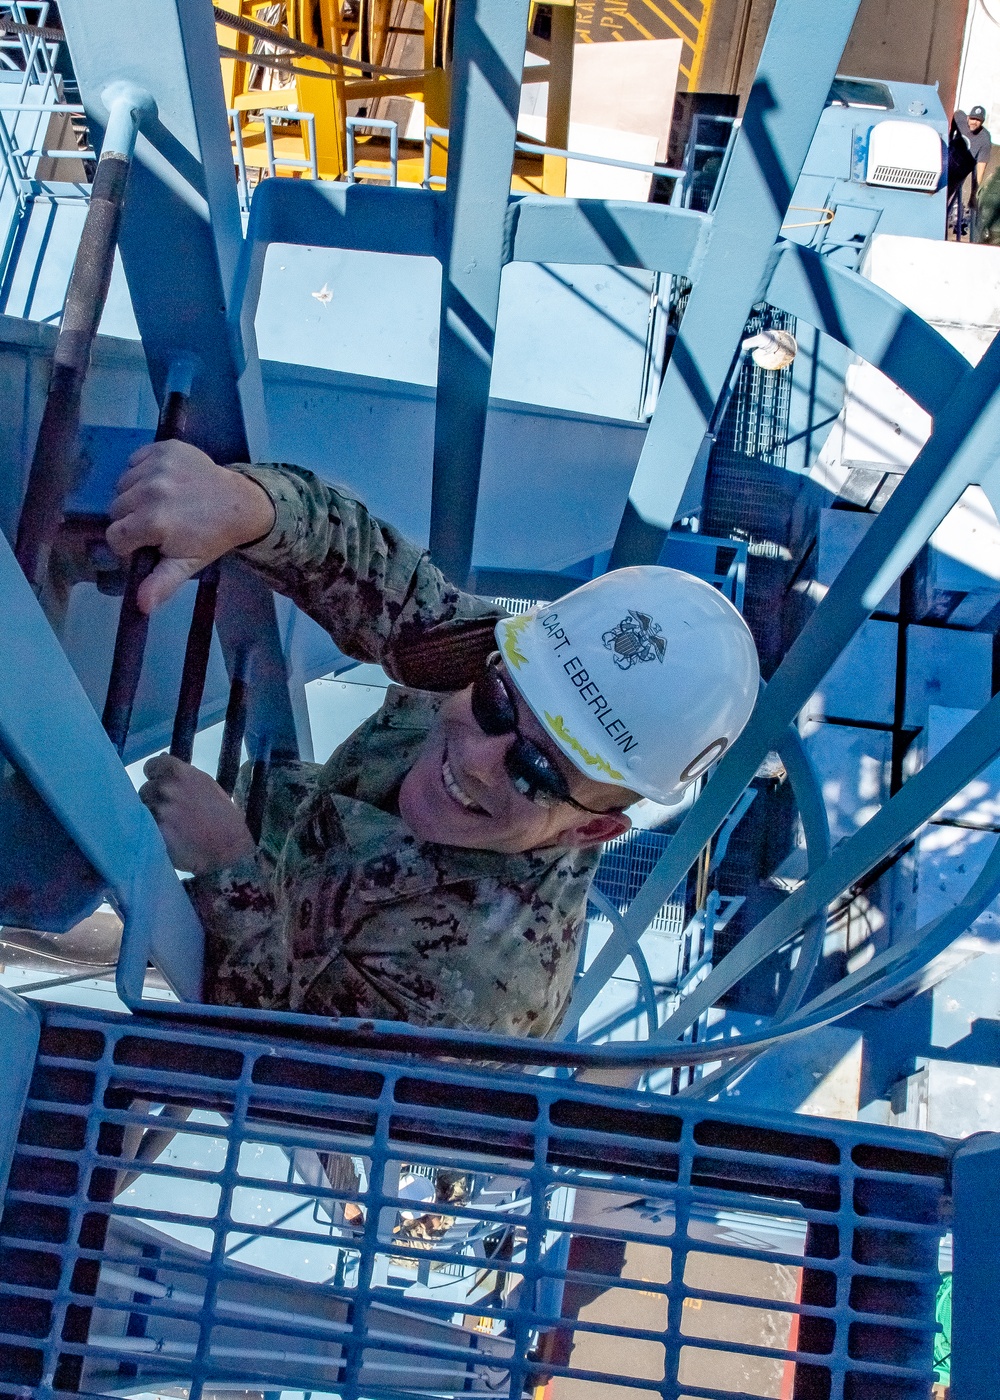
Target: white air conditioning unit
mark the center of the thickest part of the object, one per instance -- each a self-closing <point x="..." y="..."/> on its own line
<point x="904" y="156"/>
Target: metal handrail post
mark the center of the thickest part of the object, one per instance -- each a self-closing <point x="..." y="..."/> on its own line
<point x="241" y="160"/>
<point x="11" y="155"/>
<point x="382" y="125"/>
<point x="429" y="180"/>
<point x="350" y="152"/>
<point x="269" y="142"/>
<point x="310" y="120"/>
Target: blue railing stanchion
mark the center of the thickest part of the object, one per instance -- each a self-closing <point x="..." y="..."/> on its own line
<point x="376" y="172"/>
<point x="432" y="134"/>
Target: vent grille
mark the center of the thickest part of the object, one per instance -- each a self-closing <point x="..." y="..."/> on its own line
<point x="626" y="864"/>
<point x="905" y="177"/>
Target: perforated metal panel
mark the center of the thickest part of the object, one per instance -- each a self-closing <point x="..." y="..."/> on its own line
<point x="346" y="1226"/>
<point x="625" y="864"/>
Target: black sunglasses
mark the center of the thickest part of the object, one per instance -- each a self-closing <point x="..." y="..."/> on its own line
<point x="529" y="768"/>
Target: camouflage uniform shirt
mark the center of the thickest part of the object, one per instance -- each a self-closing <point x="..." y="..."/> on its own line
<point x="341" y="911"/>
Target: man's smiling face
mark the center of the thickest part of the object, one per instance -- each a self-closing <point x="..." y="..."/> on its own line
<point x="459" y="793"/>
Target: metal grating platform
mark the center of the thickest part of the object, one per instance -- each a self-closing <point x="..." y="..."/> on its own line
<point x="336" y="1225"/>
<point x="624" y="867"/>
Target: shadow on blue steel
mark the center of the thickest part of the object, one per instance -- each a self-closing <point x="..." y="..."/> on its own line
<point x="797" y="66"/>
<point x="487" y="62"/>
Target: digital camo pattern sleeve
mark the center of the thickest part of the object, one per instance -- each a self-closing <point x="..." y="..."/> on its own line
<point x="359" y="578"/>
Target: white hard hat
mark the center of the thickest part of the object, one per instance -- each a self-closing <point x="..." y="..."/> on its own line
<point x="643" y="678"/>
<point x="772" y="349"/>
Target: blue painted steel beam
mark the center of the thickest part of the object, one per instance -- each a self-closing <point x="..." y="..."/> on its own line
<point x="607" y="233"/>
<point x="975" y="1337"/>
<point x="325" y="214"/>
<point x="50" y="732"/>
<point x="20" y="1028"/>
<point x="961" y="450"/>
<point x="800" y="57"/>
<point x="180" y="233"/>
<point x="371" y="218"/>
<point x="853" y="311"/>
<point x="486" y="87"/>
<point x="180" y="239"/>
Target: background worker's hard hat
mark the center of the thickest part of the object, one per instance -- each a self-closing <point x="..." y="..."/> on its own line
<point x="772" y="349"/>
<point x="643" y="678"/>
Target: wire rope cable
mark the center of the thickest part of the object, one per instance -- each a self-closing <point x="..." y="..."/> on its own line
<point x="255" y="30"/>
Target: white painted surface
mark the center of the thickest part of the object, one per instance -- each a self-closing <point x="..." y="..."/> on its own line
<point x="622" y="104"/>
<point x="955" y="287"/>
<point x="881" y="423"/>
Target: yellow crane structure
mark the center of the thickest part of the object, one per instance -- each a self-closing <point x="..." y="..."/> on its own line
<point x="307" y="82"/>
<point x="290" y="106"/>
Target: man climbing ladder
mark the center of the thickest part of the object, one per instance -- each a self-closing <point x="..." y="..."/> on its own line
<point x="436" y="868"/>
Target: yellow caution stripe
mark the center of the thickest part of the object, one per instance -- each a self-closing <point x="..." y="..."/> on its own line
<point x="593" y="760"/>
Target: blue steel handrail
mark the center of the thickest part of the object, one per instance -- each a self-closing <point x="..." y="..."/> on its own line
<point x="14" y="155"/>
<point x="373" y="171"/>
<point x="431" y="133"/>
<point x="268" y="116"/>
<point x="536" y="148"/>
<point x="38" y="52"/>
<point x="661" y="1186"/>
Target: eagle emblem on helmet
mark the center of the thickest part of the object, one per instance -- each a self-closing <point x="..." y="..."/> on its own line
<point x="636" y="638"/>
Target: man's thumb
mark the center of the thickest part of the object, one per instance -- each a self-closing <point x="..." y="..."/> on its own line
<point x="164" y="581"/>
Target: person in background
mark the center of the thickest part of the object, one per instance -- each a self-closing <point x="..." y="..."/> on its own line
<point x="969" y="149"/>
